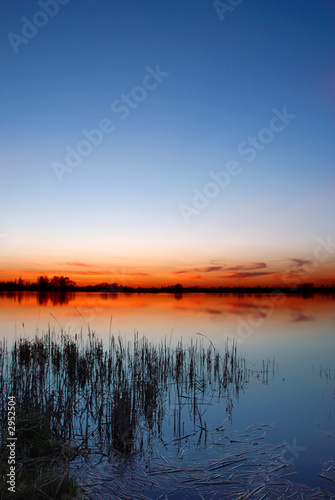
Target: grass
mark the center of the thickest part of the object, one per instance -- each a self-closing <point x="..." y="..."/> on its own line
<point x="41" y="462"/>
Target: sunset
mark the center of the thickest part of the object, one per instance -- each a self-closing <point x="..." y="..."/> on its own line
<point x="167" y="197"/>
<point x="288" y="272"/>
<point x="217" y="143"/>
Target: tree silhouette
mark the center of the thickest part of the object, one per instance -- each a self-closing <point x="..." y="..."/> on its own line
<point x="43" y="282"/>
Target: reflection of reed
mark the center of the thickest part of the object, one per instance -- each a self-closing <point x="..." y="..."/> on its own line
<point x="115" y="397"/>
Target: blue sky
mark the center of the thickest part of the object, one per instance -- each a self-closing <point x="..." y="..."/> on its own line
<point x="119" y="211"/>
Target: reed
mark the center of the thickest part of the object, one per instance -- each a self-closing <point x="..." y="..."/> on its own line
<point x="114" y="399"/>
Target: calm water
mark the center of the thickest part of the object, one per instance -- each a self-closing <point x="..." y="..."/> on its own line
<point x="296" y="337"/>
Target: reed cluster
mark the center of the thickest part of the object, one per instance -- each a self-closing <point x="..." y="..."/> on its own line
<point x="82" y="388"/>
<point x="87" y="398"/>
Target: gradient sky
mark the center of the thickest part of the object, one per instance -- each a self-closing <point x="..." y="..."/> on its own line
<point x="228" y="72"/>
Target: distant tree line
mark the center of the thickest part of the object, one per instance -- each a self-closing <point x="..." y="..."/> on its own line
<point x="65" y="284"/>
<point x="43" y="283"/>
<point x="57" y="282"/>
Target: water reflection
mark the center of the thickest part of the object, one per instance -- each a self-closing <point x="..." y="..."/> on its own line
<point x="245" y="318"/>
<point x="125" y="392"/>
<point x="42" y="297"/>
<point x="299" y="333"/>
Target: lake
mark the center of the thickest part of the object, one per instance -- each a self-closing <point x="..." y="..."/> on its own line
<point x="290" y="339"/>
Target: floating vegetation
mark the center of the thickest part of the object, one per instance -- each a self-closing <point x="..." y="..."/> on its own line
<point x="236" y="466"/>
<point x="134" y="419"/>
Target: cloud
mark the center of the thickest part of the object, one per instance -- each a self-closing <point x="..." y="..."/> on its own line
<point x="210" y="269"/>
<point x="80" y="264"/>
<point x="248" y="267"/>
<point x="93" y="273"/>
<point x="247" y="275"/>
<point x="216" y="262"/>
<point x="300" y="262"/>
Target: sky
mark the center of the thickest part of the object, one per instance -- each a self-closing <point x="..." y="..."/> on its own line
<point x="153" y="143"/>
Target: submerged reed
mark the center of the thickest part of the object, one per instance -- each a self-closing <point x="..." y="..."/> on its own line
<point x="79" y="386"/>
<point x="114" y="400"/>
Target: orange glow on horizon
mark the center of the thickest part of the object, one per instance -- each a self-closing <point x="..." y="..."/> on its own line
<point x="187" y="278"/>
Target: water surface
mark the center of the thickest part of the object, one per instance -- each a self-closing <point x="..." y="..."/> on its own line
<point x="294" y="336"/>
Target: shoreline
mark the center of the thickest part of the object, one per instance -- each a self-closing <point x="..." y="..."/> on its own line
<point x="176" y="290"/>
